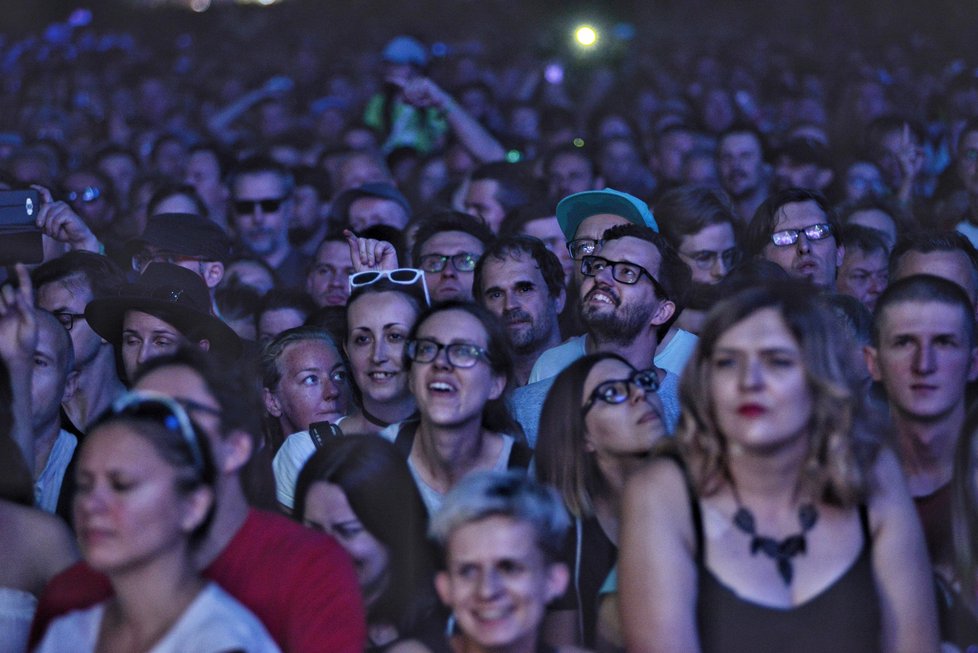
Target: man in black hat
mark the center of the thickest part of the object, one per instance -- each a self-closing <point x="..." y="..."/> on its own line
<point x="190" y="241"/>
<point x="168" y="306"/>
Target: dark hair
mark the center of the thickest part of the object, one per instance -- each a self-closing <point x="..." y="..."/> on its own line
<point x="865" y="239"/>
<point x="379" y="487"/>
<point x="925" y="242"/>
<point x="237" y="301"/>
<point x="568" y="149"/>
<point x="171" y="446"/>
<point x="221" y="157"/>
<point x="515" y="185"/>
<point x="277" y="299"/>
<point x="561" y="459"/>
<point x="102" y="275"/>
<point x="924" y="288"/>
<point x="495" y="416"/>
<point x="232" y="385"/>
<point x="970" y="127"/>
<point x="851" y="315"/>
<point x="687" y="210"/>
<point x="517" y="219"/>
<point x="745" y="128"/>
<point x="674" y="275"/>
<point x="513" y="248"/>
<point x="257" y="165"/>
<point x="449" y="221"/>
<point x="766" y="217"/>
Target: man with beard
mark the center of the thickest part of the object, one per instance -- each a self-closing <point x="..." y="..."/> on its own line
<point x="743" y="172"/>
<point x="522" y="282"/>
<point x="263" y="204"/>
<point x="631" y="292"/>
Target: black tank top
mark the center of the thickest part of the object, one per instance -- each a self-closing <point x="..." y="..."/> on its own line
<point x="842" y="618"/>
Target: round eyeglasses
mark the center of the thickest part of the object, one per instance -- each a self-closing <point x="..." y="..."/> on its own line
<point x="617" y="391"/>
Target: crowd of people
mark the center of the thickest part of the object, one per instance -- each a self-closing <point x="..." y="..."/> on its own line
<point x="431" y="348"/>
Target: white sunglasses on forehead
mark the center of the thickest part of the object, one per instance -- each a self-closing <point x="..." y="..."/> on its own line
<point x="402" y="276"/>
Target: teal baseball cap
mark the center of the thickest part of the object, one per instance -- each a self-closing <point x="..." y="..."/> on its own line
<point x="574" y="209"/>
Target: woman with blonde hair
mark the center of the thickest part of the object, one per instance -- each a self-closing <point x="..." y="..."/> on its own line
<point x="774" y="527"/>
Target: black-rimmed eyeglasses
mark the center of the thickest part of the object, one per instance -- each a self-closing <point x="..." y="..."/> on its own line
<point x="617" y="391"/>
<point x="459" y="354"/>
<point x="621" y="271"/>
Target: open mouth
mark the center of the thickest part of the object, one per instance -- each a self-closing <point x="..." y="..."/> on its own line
<point x="601" y="296"/>
<point x="381" y="376"/>
<point x="441" y="388"/>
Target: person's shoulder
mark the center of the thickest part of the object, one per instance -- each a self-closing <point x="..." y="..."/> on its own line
<point x="553" y="360"/>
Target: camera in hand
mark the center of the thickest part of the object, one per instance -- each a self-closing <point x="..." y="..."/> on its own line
<point x="20" y="239"/>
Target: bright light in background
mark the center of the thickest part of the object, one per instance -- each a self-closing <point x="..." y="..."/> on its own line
<point x="586" y="36"/>
<point x="200" y="5"/>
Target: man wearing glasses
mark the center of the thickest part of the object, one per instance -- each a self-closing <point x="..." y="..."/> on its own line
<point x="630" y="295"/>
<point x="447" y="247"/>
<point x="798" y="230"/>
<point x="262" y="205"/>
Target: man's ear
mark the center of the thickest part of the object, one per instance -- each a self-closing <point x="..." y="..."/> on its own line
<point x="840" y="255"/>
<point x="235" y="451"/>
<point x="872" y="362"/>
<point x="71" y="386"/>
<point x="213" y="272"/>
<point x="272" y="404"/>
<point x="561" y="300"/>
<point x="663" y="313"/>
<point x="205" y="345"/>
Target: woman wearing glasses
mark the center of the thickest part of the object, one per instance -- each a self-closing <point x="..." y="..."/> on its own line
<point x="587" y="455"/>
<point x="145" y="496"/>
<point x="459" y="368"/>
<point x="778" y="526"/>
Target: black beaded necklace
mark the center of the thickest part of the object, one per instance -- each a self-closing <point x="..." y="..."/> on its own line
<point x="780" y="551"/>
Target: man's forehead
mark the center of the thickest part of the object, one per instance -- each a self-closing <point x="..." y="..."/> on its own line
<point x="136" y="320"/>
<point x="516" y="266"/>
<point x="923" y="316"/>
<point x="334" y="251"/>
<point x="452" y="242"/>
<point x="951" y="265"/>
<point x="594" y="226"/>
<point x="75" y="287"/>
<point x="795" y="215"/>
<point x="633" y="250"/>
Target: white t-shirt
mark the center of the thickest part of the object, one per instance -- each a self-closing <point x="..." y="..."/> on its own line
<point x="671" y="358"/>
<point x="213" y="623"/>
<point x="288" y="462"/>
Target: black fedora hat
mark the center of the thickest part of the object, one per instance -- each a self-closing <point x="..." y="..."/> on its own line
<point x="173" y="294"/>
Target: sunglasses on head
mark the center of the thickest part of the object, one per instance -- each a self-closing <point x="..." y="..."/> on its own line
<point x="268" y="205"/>
<point x="403" y="276"/>
<point x="165" y="411"/>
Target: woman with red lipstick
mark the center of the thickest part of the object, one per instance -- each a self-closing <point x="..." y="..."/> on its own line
<point x="775" y="527"/>
<point x="145" y="496"/>
<point x="587" y="455"/>
<point x="459" y="368"/>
